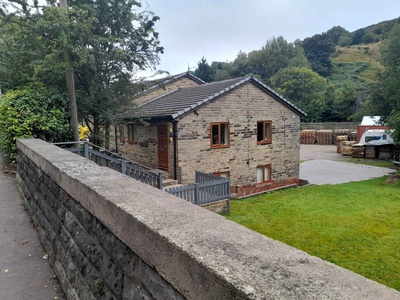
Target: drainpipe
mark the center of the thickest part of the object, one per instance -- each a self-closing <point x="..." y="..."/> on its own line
<point x="116" y="137"/>
<point x="175" y="135"/>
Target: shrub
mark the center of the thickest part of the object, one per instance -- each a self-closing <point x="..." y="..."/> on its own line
<point x="32" y="112"/>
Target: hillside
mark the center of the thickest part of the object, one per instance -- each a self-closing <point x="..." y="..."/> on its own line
<point x="346" y="63"/>
<point x="357" y="65"/>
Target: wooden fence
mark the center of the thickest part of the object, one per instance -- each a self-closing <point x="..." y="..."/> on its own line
<point x="207" y="189"/>
<point x="106" y="158"/>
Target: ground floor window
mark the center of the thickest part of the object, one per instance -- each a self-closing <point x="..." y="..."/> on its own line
<point x="132" y="133"/>
<point x="220" y="135"/>
<point x="263" y="173"/>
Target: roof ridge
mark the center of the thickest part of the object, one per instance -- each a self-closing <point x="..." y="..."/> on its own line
<point x="169" y="80"/>
<point x="179" y="102"/>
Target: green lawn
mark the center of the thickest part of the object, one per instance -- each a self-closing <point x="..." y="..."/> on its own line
<point x="372" y="162"/>
<point x="354" y="225"/>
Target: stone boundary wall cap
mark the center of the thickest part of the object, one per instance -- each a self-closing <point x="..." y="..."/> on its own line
<point x="203" y="255"/>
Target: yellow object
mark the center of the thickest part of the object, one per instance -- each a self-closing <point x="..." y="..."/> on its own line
<point x="83" y="132"/>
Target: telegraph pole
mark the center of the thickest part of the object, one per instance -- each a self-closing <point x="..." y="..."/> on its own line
<point x="69" y="74"/>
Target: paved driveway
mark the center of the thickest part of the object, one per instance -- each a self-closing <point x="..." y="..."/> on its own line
<point x="322" y="165"/>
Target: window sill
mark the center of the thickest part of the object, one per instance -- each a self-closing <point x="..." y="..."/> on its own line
<point x="264" y="183"/>
<point x="264" y="142"/>
<point x="219" y="147"/>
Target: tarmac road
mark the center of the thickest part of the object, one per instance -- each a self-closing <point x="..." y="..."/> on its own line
<point x="24" y="273"/>
<point x="322" y="165"/>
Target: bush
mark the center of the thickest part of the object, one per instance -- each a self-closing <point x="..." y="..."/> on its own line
<point x="32" y="112"/>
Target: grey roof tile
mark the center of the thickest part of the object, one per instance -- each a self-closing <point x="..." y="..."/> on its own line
<point x="159" y="83"/>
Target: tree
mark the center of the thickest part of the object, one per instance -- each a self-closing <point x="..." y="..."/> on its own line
<point x="358" y="36"/>
<point x="70" y="80"/>
<point x="369" y="37"/>
<point x="275" y="55"/>
<point x="340" y="103"/>
<point x="203" y="70"/>
<point x="304" y="88"/>
<point x="19" y="50"/>
<point x="318" y="50"/>
<point x="336" y="33"/>
<point x="221" y="70"/>
<point x="108" y="41"/>
<point x="385" y="95"/>
<point x="240" y="65"/>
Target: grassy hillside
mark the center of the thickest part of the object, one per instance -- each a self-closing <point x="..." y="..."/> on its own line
<point x="356" y="65"/>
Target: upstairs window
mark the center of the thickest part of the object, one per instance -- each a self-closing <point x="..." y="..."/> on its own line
<point x="220" y="135"/>
<point x="132" y="133"/>
<point x="263" y="173"/>
<point x="264" y="132"/>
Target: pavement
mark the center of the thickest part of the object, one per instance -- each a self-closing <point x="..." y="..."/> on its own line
<point x="25" y="273"/>
<point x="321" y="164"/>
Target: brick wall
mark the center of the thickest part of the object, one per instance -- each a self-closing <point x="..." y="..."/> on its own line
<point x="242" y="108"/>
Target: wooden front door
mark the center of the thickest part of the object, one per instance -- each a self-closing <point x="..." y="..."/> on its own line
<point x="162" y="132"/>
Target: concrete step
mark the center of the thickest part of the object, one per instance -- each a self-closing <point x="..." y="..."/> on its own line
<point x="168" y="182"/>
<point x="172" y="186"/>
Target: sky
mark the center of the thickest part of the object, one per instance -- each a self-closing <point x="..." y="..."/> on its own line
<point x="219" y="29"/>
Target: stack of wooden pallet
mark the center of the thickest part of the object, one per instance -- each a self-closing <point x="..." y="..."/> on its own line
<point x="370" y="151"/>
<point x="345" y="148"/>
<point x="385" y="152"/>
<point x="353" y="136"/>
<point x="324" y="137"/>
<point x="357" y="150"/>
<point x="339" y="132"/>
<point x="339" y="139"/>
<point x="307" y="136"/>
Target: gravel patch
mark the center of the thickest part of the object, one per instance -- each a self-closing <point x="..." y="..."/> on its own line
<point x="321" y="171"/>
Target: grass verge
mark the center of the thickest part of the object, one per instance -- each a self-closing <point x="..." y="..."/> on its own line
<point x="354" y="225"/>
<point x="372" y="162"/>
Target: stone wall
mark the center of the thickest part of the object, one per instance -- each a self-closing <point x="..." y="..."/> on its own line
<point x="242" y="108"/>
<point x="145" y="149"/>
<point x="111" y="237"/>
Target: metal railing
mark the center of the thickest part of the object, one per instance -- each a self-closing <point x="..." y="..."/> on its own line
<point x="207" y="189"/>
<point x="106" y="158"/>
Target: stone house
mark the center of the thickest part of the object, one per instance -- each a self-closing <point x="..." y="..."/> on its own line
<point x="238" y="128"/>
